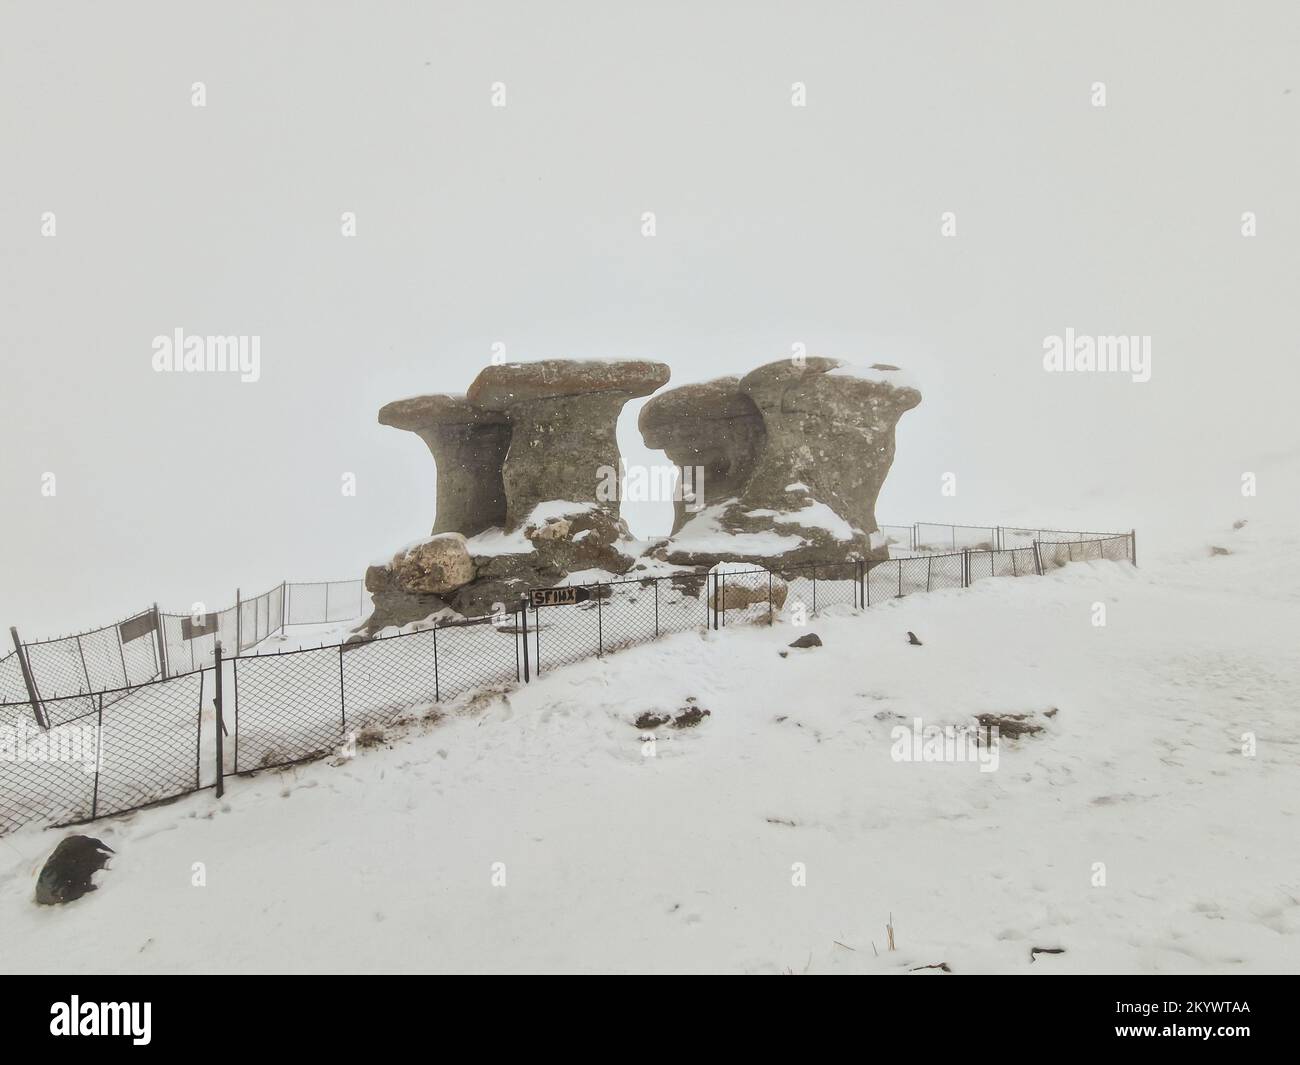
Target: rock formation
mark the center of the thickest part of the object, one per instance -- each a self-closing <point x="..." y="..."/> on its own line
<point x="522" y="460"/>
<point x="792" y="455"/>
<point x="563" y="414"/>
<point x="711" y="427"/>
<point x="469" y="446"/>
<point x="827" y="444"/>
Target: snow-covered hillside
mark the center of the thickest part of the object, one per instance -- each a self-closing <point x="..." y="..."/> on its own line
<point x="538" y="830"/>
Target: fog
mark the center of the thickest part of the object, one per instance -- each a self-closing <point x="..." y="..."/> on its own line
<point x="776" y="226"/>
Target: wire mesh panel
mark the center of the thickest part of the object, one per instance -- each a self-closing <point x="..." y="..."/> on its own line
<point x="979" y="564"/>
<point x="47" y="777"/>
<point x="136" y="746"/>
<point x="682" y="603"/>
<point x="883" y="580"/>
<point x="318" y="602"/>
<point x="345" y="600"/>
<point x="247" y="624"/>
<point x="150" y="744"/>
<point x="943" y="571"/>
<point x="932" y="536"/>
<point x="13" y="689"/>
<point x="915" y="575"/>
<point x="477" y="654"/>
<point x="57" y="671"/>
<point x="287" y="707"/>
<point x="384" y="680"/>
<point x="189" y="646"/>
<point x="897" y="537"/>
<point x="835" y="584"/>
<point x="743" y="597"/>
<point x="103" y="658"/>
<point x="1117" y="549"/>
<point x="141" y="656"/>
<point x="563" y="634"/>
<point x="627" y="613"/>
<point x="307" y="604"/>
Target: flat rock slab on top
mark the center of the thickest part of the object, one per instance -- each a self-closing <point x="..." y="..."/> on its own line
<point x="503" y="386"/>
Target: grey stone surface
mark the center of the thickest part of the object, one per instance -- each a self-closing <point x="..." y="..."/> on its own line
<point x="712" y="426"/>
<point x="469" y="447"/>
<point x="831" y="432"/>
<point x="563" y="414"/>
<point x="827" y="445"/>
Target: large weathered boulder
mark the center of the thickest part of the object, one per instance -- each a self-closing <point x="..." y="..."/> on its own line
<point x="68" y="872"/>
<point x="563" y="414"/>
<point x="469" y="447"/>
<point x="417" y="581"/>
<point x="438" y="565"/>
<point x="713" y="429"/>
<point x="828" y="443"/>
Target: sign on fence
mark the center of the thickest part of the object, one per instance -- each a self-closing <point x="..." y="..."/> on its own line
<point x="192" y="630"/>
<point x="566" y="596"/>
<point x="134" y="628"/>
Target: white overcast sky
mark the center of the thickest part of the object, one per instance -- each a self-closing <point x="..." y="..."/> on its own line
<point x="776" y="225"/>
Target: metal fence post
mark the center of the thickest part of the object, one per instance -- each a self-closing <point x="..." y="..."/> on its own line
<point x="1038" y="560"/>
<point x="239" y="623"/>
<point x="220" y="726"/>
<point x="600" y="626"/>
<point x="523" y="624"/>
<point x="343" y="700"/>
<point x="38" y="711"/>
<point x="284" y="603"/>
<point x="437" y="689"/>
<point x="162" y="641"/>
<point x="814" y="579"/>
<point x="965" y="568"/>
<point x="84" y="671"/>
<point x="929" y="570"/>
<point x="656" y="608"/>
<point x="121" y="653"/>
<point x="770" y="620"/>
<point x="1133" y="546"/>
<point x="99" y="757"/>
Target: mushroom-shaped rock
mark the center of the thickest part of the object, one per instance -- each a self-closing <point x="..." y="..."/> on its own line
<point x="563" y="414"/>
<point x="469" y="447"/>
<point x="713" y="431"/>
<point x="830" y="436"/>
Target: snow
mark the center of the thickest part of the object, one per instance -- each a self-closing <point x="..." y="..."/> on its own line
<point x="678" y="854"/>
<point x="897" y="378"/>
<point x="496" y="541"/>
<point x="704" y="533"/>
<point x="813" y="515"/>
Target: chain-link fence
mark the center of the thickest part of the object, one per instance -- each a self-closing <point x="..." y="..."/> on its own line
<point x="147" y="740"/>
<point x="100" y="754"/>
<point x="154" y="644"/>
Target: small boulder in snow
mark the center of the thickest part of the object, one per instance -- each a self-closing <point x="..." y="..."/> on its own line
<point x="808" y="639"/>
